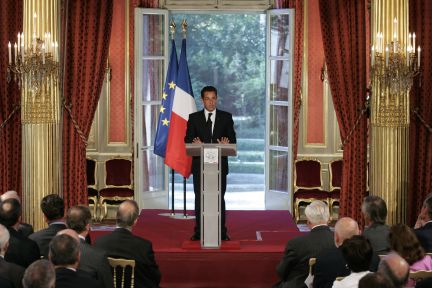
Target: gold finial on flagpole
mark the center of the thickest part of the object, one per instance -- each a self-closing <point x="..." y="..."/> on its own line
<point x="172" y="29"/>
<point x="184" y="27"/>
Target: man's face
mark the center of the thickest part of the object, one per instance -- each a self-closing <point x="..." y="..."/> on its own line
<point x="209" y="100"/>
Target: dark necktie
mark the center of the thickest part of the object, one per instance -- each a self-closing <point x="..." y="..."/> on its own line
<point x="209" y="126"/>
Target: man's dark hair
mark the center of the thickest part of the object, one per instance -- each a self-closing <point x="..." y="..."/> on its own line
<point x="40" y="274"/>
<point x="428" y="204"/>
<point x="78" y="217"/>
<point x="126" y="217"/>
<point x="375" y="280"/>
<point x="357" y="252"/>
<point x="375" y="208"/>
<point x="63" y="250"/>
<point x="398" y="282"/>
<point x="10" y="211"/>
<point x="208" y="89"/>
<point x="53" y="207"/>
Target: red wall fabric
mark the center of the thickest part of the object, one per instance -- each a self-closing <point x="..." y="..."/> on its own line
<point x="85" y="51"/>
<point x="11" y="19"/>
<point x="420" y="155"/>
<point x="344" y="37"/>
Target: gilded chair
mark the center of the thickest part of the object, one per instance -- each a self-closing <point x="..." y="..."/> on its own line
<point x="123" y="271"/>
<point x="420" y="275"/>
<point x="335" y="173"/>
<point x="308" y="185"/>
<point x="92" y="192"/>
<point x="312" y="262"/>
<point x="118" y="183"/>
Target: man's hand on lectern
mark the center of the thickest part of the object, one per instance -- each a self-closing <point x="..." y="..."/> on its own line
<point x="223" y="140"/>
<point x="196" y="140"/>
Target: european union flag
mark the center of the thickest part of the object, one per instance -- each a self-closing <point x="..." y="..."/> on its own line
<point x="166" y="104"/>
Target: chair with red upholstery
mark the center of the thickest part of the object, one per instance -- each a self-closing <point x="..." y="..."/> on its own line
<point x="335" y="172"/>
<point x="92" y="192"/>
<point x="307" y="183"/>
<point x="118" y="183"/>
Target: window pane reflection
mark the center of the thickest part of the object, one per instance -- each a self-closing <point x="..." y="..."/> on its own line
<point x="278" y="173"/>
<point x="150" y="118"/>
<point x="152" y="78"/>
<point x="153" y="172"/>
<point x="153" y="35"/>
<point x="279" y="76"/>
<point x="279" y="126"/>
<point x="279" y="38"/>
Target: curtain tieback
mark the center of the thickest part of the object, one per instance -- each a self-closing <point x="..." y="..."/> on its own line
<point x="16" y="108"/>
<point x="362" y="113"/>
<point x="416" y="112"/>
<point x="75" y="123"/>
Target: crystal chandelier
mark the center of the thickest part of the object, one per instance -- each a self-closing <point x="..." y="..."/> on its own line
<point x="393" y="64"/>
<point x="34" y="66"/>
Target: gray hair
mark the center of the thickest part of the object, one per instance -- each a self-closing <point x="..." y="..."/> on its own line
<point x="317" y="212"/>
<point x="375" y="209"/>
<point x="40" y="274"/>
<point x="4" y="237"/>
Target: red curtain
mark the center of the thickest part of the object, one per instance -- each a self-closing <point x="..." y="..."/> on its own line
<point x="11" y="20"/>
<point x="298" y="62"/>
<point x="87" y="32"/>
<point x="420" y="155"/>
<point x="344" y="38"/>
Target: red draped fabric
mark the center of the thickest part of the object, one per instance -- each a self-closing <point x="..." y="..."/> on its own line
<point x="87" y="32"/>
<point x="420" y="155"/>
<point x="344" y="38"/>
<point x="298" y="62"/>
<point x="11" y="20"/>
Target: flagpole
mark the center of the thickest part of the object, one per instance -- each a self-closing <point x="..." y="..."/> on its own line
<point x="172" y="192"/>
<point x="184" y="197"/>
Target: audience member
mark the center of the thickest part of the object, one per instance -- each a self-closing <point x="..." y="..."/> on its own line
<point x="395" y="268"/>
<point x="423" y="227"/>
<point x="404" y="241"/>
<point x="374" y="211"/>
<point x="39" y="274"/>
<point x="24" y="228"/>
<point x="426" y="283"/>
<point x="293" y="267"/>
<point x="9" y="272"/>
<point x="93" y="261"/>
<point x="65" y="255"/>
<point x="357" y="252"/>
<point x="121" y="243"/>
<point x="375" y="280"/>
<point x="22" y="250"/>
<point x="52" y="207"/>
<point x="330" y="263"/>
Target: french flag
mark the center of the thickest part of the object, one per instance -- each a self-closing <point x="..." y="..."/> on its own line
<point x="183" y="105"/>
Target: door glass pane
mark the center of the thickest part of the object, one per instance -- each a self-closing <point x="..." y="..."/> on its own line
<point x="152" y="79"/>
<point x="153" y="171"/>
<point x="150" y="118"/>
<point x="278" y="173"/>
<point x="279" y="37"/>
<point x="153" y="38"/>
<point x="279" y="80"/>
<point x="279" y="126"/>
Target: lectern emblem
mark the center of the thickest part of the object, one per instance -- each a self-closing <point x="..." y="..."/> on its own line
<point x="211" y="155"/>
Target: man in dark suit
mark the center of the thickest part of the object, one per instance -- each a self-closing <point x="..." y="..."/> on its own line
<point x="294" y="266"/>
<point x="423" y="226"/>
<point x="209" y="125"/>
<point x="93" y="260"/>
<point x="52" y="207"/>
<point x="121" y="243"/>
<point x="22" y="251"/>
<point x="39" y="274"/>
<point x="10" y="272"/>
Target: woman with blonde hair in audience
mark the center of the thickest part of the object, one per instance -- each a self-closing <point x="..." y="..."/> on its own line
<point x="404" y="241"/>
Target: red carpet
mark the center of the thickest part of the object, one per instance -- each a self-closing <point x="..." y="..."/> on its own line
<point x="258" y="239"/>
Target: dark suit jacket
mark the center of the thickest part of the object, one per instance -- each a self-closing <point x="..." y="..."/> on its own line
<point x="22" y="251"/>
<point x="294" y="266"/>
<point x="44" y="236"/>
<point x="4" y="283"/>
<point x="223" y="127"/>
<point x="424" y="235"/>
<point x="11" y="272"/>
<point x="426" y="283"/>
<point x="331" y="264"/>
<point x="25" y="229"/>
<point x="95" y="262"/>
<point x="378" y="237"/>
<point x="66" y="278"/>
<point x="121" y="243"/>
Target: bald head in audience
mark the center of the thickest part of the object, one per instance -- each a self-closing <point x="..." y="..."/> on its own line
<point x="127" y="214"/>
<point x="375" y="280"/>
<point x="69" y="232"/>
<point x="345" y="228"/>
<point x="11" y="194"/>
<point x="40" y="274"/>
<point x="395" y="268"/>
<point x="64" y="250"/>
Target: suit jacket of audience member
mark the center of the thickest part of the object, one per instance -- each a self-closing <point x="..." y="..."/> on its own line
<point x="294" y="267"/>
<point x="378" y="237"/>
<point x="25" y="229"/>
<point x="95" y="262"/>
<point x="11" y="272"/>
<point x="424" y="235"/>
<point x="331" y="264"/>
<point x="426" y="283"/>
<point x="121" y="243"/>
<point x="22" y="251"/>
<point x="4" y="283"/>
<point x="44" y="236"/>
<point x="68" y="278"/>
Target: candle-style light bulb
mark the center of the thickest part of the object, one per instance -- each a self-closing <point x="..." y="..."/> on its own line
<point x="418" y="56"/>
<point x="372" y="55"/>
<point x="10" y="52"/>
